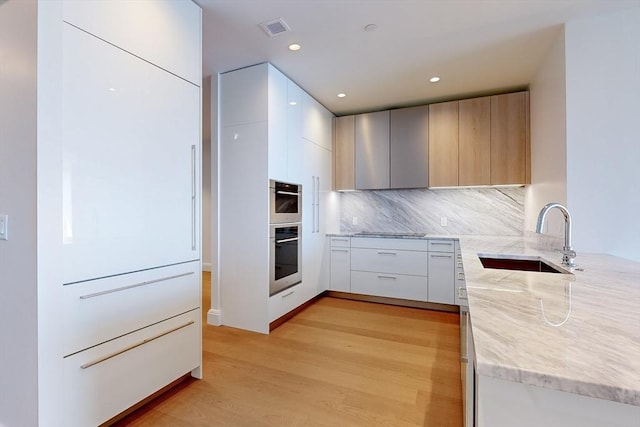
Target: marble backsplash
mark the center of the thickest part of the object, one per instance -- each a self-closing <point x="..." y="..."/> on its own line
<point x="477" y="211"/>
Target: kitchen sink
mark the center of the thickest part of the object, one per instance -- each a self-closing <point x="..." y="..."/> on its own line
<point x="519" y="262"/>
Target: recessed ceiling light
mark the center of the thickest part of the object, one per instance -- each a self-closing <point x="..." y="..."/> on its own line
<point x="370" y="27"/>
<point x="294" y="46"/>
<point x="293" y="103"/>
<point x="342" y="95"/>
<point x="434" y="79"/>
<point x="112" y="89"/>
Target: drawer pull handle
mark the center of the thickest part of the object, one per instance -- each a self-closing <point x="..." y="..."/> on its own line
<point x="288" y="294"/>
<point x="131" y="347"/>
<point x="136" y="285"/>
<point x="339" y="250"/>
<point x="441" y="256"/>
<point x="339" y="240"/>
<point x="387" y="277"/>
<point x="441" y="243"/>
<point x="387" y="253"/>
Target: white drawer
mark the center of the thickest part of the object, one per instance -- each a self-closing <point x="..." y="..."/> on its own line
<point x="285" y="301"/>
<point x="389" y="261"/>
<point x="339" y="241"/>
<point x="389" y="285"/>
<point x="103" y="309"/>
<point x="385" y="243"/>
<point x="105" y="380"/>
<point x="442" y="246"/>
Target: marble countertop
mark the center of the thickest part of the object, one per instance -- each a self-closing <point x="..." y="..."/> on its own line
<point x="578" y="333"/>
<point x="385" y="235"/>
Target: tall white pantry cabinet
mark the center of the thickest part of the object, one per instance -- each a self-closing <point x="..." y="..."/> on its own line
<point x="270" y="128"/>
<point x="118" y="207"/>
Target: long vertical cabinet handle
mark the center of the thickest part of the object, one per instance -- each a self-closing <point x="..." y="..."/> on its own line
<point x="318" y="204"/>
<point x="313" y="203"/>
<point x="193" y="198"/>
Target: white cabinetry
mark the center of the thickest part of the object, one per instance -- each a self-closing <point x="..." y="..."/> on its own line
<point x="270" y="129"/>
<point x="395" y="268"/>
<point x="441" y="271"/>
<point x="413" y="269"/>
<point x="340" y="278"/>
<point x="131" y="136"/>
<point x="117" y="156"/>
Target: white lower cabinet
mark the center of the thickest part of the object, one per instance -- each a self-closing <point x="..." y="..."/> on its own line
<point x="414" y="269"/>
<point x="441" y="277"/>
<point x="99" y="310"/>
<point x="285" y="301"/>
<point x="442" y="287"/>
<point x="340" y="259"/>
<point x="105" y="380"/>
<point x="389" y="285"/>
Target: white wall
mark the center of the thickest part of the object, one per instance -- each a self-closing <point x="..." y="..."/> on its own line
<point x="206" y="174"/>
<point x="603" y="146"/>
<point x="548" y="140"/>
<point x="18" y="278"/>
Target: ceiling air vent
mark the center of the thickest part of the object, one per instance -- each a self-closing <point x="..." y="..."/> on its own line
<point x="275" y="27"/>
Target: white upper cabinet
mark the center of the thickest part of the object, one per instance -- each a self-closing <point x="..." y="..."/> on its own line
<point x="131" y="138"/>
<point x="294" y="132"/>
<point x="244" y="96"/>
<point x="317" y="122"/>
<point x="278" y="113"/>
<point x="159" y="31"/>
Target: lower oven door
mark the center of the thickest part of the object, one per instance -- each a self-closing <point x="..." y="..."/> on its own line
<point x="285" y="256"/>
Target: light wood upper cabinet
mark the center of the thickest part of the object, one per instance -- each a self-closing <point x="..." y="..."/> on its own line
<point x="474" y="141"/>
<point x="372" y="150"/>
<point x="344" y="154"/>
<point x="443" y="144"/>
<point x="509" y="117"/>
<point x="409" y="147"/>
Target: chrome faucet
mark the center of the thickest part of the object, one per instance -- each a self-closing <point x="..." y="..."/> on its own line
<point x="568" y="254"/>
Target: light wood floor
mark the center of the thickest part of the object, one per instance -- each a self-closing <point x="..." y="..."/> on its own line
<point x="337" y="363"/>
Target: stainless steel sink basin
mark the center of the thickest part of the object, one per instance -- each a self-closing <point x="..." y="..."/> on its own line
<point x="519" y="262"/>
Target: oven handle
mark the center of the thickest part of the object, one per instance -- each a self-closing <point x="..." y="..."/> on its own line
<point x="293" y="239"/>
<point x="287" y="193"/>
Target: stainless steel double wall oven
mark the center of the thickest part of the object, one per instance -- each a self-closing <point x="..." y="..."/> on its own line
<point x="285" y="235"/>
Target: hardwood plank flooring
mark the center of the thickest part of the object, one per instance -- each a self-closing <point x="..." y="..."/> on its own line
<point x="337" y="363"/>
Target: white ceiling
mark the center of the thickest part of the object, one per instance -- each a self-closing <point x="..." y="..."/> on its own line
<point x="475" y="46"/>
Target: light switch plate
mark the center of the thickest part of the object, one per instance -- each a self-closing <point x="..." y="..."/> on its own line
<point x="443" y="221"/>
<point x="4" y="227"/>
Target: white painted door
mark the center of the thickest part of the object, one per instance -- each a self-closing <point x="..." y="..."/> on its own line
<point x="131" y="141"/>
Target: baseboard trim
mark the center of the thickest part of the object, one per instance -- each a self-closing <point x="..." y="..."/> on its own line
<point x="394" y="301"/>
<point x="206" y="266"/>
<point x="214" y="317"/>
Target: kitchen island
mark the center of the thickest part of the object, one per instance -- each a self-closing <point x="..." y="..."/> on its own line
<point x="553" y="349"/>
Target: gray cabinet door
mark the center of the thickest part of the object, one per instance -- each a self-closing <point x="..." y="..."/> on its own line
<point x="409" y="147"/>
<point x="372" y="150"/>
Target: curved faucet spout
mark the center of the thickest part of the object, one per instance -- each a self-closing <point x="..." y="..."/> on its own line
<point x="569" y="255"/>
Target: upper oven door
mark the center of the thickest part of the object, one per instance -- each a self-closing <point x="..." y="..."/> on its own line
<point x="286" y="202"/>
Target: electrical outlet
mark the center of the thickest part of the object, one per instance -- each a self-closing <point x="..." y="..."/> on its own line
<point x="443" y="221"/>
<point x="355" y="220"/>
<point x="4" y="227"/>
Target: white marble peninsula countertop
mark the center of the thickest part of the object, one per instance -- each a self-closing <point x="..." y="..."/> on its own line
<point x="577" y="333"/>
